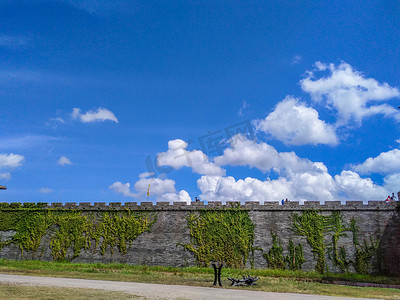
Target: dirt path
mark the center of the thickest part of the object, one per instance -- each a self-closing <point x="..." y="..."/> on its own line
<point x="160" y="291"/>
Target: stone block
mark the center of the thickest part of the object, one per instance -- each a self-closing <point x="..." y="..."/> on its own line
<point x="215" y="204"/>
<point x="199" y="204"/>
<point x="354" y="204"/>
<point x="131" y="205"/>
<point x="333" y="204"/>
<point x="115" y="205"/>
<point x="70" y="205"/>
<point x="162" y="205"/>
<point x="312" y="205"/>
<point x="85" y="205"/>
<point x="99" y="205"/>
<point x="146" y="205"/>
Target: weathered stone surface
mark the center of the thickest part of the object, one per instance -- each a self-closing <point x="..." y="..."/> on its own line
<point x="161" y="246"/>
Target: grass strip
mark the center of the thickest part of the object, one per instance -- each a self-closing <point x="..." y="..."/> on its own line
<point x="284" y="281"/>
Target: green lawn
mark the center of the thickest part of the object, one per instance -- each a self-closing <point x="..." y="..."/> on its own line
<point x="270" y="280"/>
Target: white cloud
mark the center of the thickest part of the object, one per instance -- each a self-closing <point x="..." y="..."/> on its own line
<point x="177" y="157"/>
<point x="384" y="163"/>
<point x="64" y="161"/>
<point x="162" y="189"/>
<point x="245" y="152"/>
<point x="101" y="114"/>
<point x="182" y="196"/>
<point x="250" y="189"/>
<point x="45" y="190"/>
<point x="158" y="186"/>
<point x="58" y="119"/>
<point x="299" y="186"/>
<point x="354" y="187"/>
<point x="11" y="160"/>
<point x="349" y="92"/>
<point x="392" y="183"/>
<point x="122" y="188"/>
<point x="299" y="179"/>
<point x="5" y="176"/>
<point x="292" y="122"/>
<point x="146" y="174"/>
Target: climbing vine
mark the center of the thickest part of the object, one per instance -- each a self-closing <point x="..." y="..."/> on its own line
<point x="276" y="260"/>
<point x="313" y="226"/>
<point x="221" y="235"/>
<point x="364" y="252"/>
<point x="338" y="254"/>
<point x="295" y="257"/>
<point x="274" y="256"/>
<point x="71" y="231"/>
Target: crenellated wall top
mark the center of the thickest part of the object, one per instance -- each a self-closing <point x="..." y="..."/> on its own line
<point x="198" y="205"/>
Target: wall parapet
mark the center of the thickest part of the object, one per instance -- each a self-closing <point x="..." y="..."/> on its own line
<point x="216" y="205"/>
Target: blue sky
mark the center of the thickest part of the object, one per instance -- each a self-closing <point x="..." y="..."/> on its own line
<point x="238" y="100"/>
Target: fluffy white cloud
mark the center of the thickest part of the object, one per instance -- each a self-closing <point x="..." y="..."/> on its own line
<point x="245" y="152"/>
<point x="64" y="161"/>
<point x="349" y="92"/>
<point x="101" y="114"/>
<point x="392" y="183"/>
<point x="177" y="157"/>
<point x="158" y="186"/>
<point x="45" y="190"/>
<point x="300" y="187"/>
<point x="182" y="196"/>
<point x="11" y="160"/>
<point x="122" y="188"/>
<point x="162" y="189"/>
<point x="299" y="179"/>
<point x="384" y="163"/>
<point x="250" y="189"/>
<point x="292" y="122"/>
<point x="146" y="174"/>
<point x="5" y="176"/>
<point x="352" y="186"/>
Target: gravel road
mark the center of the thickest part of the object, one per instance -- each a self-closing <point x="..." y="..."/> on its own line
<point x="160" y="291"/>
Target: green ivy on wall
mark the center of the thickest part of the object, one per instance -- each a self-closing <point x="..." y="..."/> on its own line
<point x="274" y="256"/>
<point x="71" y="231"/>
<point x="276" y="260"/>
<point x="313" y="226"/>
<point x="221" y="235"/>
<point x="295" y="257"/>
<point x="338" y="229"/>
<point x="364" y="252"/>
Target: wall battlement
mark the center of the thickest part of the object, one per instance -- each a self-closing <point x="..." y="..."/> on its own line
<point x="183" y="206"/>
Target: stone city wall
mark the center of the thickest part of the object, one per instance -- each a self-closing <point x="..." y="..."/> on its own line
<point x="160" y="246"/>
